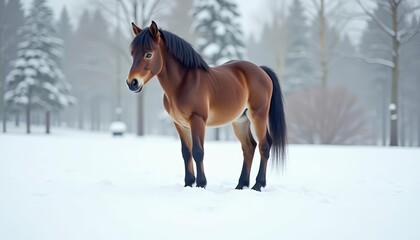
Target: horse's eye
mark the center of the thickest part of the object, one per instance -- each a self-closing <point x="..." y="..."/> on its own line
<point x="148" y="55"/>
<point x="132" y="52"/>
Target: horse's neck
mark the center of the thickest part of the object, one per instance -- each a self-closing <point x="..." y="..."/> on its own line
<point x="172" y="75"/>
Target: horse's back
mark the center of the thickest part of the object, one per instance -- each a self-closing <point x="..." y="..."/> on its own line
<point x="234" y="87"/>
<point x="256" y="81"/>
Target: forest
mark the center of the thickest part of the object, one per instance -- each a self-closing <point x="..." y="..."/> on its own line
<point x="61" y="72"/>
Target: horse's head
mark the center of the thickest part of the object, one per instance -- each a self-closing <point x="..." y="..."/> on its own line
<point x="147" y="56"/>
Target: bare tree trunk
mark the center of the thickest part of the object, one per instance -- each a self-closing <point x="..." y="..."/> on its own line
<point x="418" y="129"/>
<point x="92" y="115"/>
<point x="28" y="118"/>
<point x="403" y="125"/>
<point x="411" y="129"/>
<point x="140" y="118"/>
<point x="2" y="90"/>
<point x="322" y="45"/>
<point x="4" y="119"/>
<point x="81" y="113"/>
<point x="2" y="104"/>
<point x="98" y="115"/>
<point x="395" y="75"/>
<point x="4" y="122"/>
<point x="47" y="122"/>
<point x="17" y="119"/>
<point x="384" y="118"/>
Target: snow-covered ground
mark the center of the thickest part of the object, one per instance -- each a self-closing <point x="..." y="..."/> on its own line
<point x="76" y="186"/>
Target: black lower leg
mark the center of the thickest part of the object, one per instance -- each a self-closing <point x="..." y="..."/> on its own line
<point x="189" y="174"/>
<point x="261" y="177"/>
<point x="244" y="178"/>
<point x="198" y="154"/>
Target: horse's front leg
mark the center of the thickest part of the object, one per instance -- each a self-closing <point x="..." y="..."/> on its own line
<point x="186" y="146"/>
<point x="198" y="126"/>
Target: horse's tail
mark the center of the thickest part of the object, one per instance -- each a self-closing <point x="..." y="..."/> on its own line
<point x="277" y="121"/>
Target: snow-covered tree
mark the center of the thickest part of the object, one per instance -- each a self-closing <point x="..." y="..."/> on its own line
<point x="297" y="65"/>
<point x="220" y="36"/>
<point x="179" y="19"/>
<point x="36" y="80"/>
<point x="11" y="18"/>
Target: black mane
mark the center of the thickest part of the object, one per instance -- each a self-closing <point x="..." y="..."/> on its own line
<point x="178" y="47"/>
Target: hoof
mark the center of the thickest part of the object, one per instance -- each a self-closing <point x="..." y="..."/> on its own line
<point x="241" y="185"/>
<point x="189" y="181"/>
<point x="257" y="187"/>
<point x="201" y="184"/>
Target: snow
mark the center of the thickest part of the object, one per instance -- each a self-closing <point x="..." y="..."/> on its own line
<point x="392" y="107"/>
<point x="118" y="127"/>
<point x="76" y="185"/>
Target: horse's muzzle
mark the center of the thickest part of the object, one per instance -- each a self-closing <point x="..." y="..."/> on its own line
<point x="134" y="86"/>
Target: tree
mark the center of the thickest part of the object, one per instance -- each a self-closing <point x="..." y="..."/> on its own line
<point x="329" y="20"/>
<point x="398" y="33"/>
<point x="11" y="18"/>
<point x="64" y="27"/>
<point x="326" y="116"/>
<point x="297" y="64"/>
<point x="36" y="81"/>
<point x="65" y="33"/>
<point x="410" y="89"/>
<point x="90" y="69"/>
<point x="141" y="12"/>
<point x="270" y="49"/>
<point x="179" y="19"/>
<point x="219" y="33"/>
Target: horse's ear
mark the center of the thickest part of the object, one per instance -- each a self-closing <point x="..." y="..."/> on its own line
<point x="136" y="30"/>
<point x="154" y="30"/>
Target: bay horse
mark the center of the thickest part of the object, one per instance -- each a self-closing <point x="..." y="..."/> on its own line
<point x="196" y="96"/>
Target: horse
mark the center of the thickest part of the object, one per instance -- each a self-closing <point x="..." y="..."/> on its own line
<point x="197" y="96"/>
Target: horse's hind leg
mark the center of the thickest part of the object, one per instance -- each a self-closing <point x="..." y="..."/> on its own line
<point x="186" y="147"/>
<point x="242" y="130"/>
<point x="259" y="122"/>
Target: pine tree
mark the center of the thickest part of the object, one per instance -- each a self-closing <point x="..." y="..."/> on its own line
<point x="91" y="69"/>
<point x="180" y="19"/>
<point x="220" y="37"/>
<point x="297" y="65"/>
<point x="36" y="81"/>
<point x="219" y="34"/>
<point x="11" y="18"/>
<point x="64" y="28"/>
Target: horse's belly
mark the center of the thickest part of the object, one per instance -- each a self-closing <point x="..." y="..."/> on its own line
<point x="219" y="118"/>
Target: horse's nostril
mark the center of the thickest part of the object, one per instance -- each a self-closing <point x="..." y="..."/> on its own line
<point x="134" y="83"/>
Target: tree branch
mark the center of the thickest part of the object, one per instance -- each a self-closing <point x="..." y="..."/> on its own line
<point x="366" y="59"/>
<point x="388" y="30"/>
<point x="407" y="36"/>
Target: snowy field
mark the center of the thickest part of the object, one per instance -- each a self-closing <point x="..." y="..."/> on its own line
<point x="76" y="186"/>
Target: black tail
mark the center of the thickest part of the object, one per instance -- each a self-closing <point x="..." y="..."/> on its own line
<point x="277" y="121"/>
